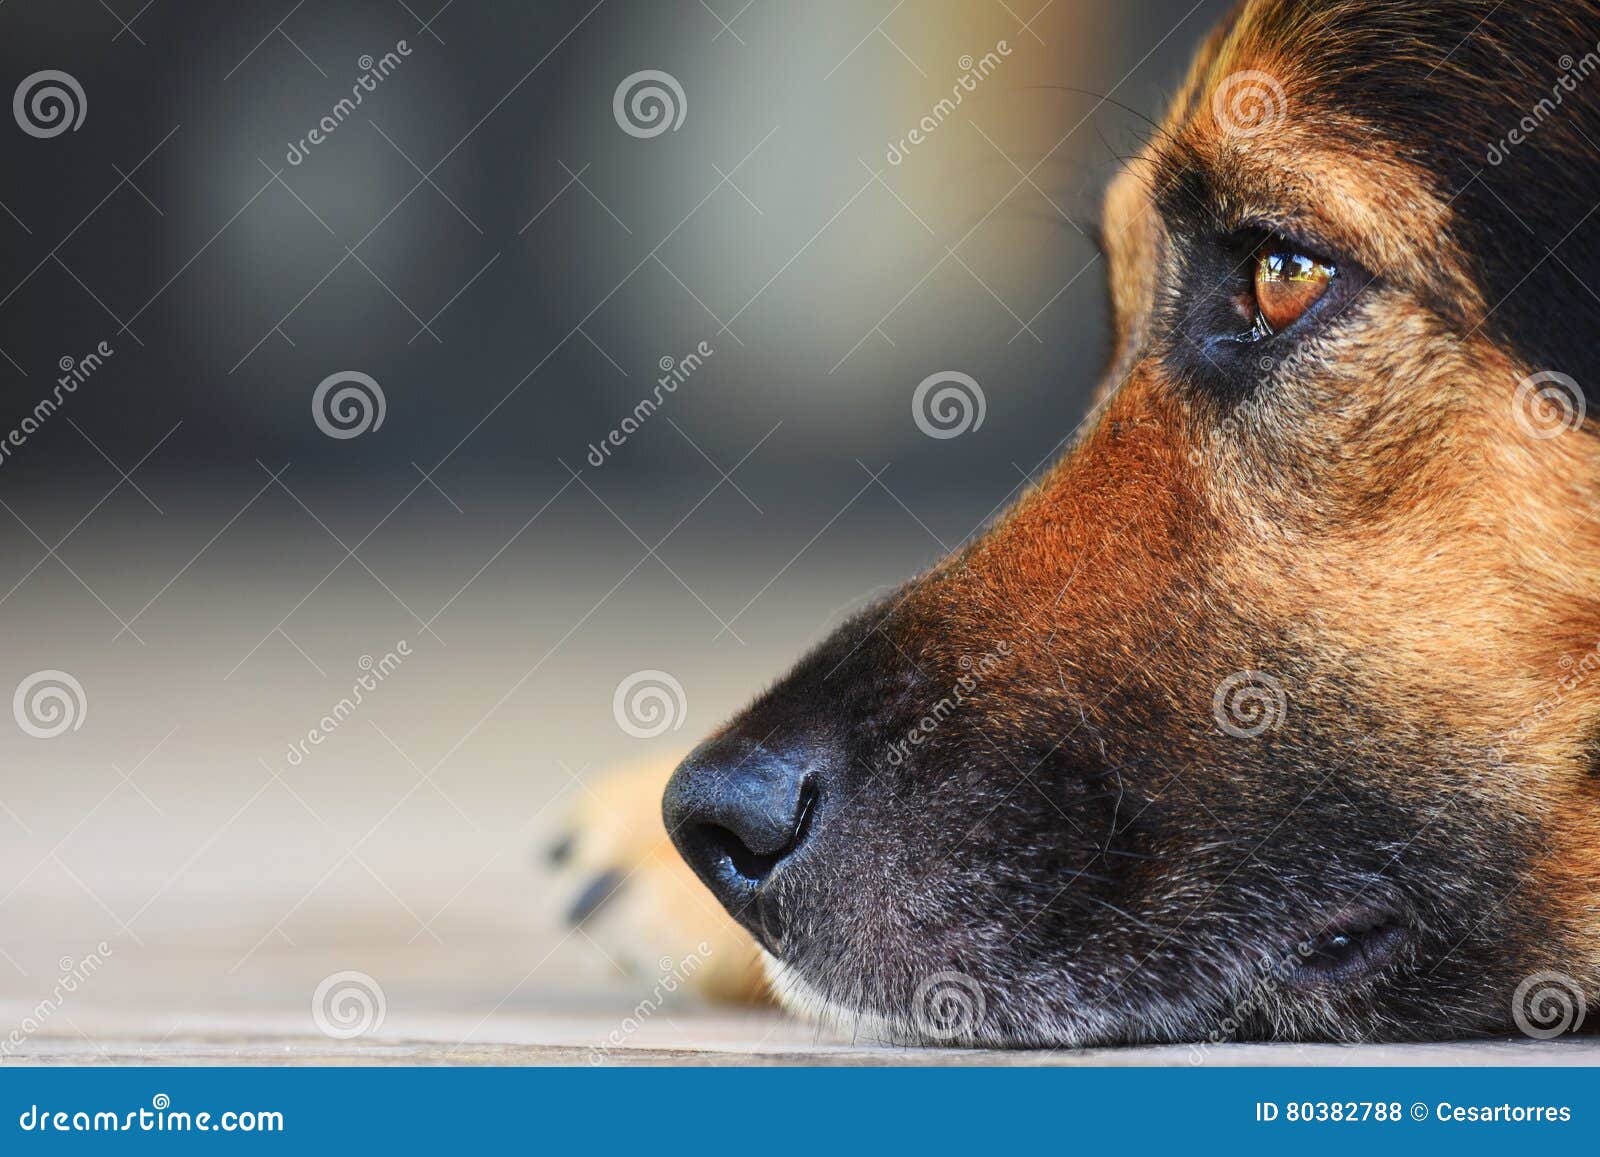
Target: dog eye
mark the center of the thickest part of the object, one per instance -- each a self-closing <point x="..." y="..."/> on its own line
<point x="1287" y="283"/>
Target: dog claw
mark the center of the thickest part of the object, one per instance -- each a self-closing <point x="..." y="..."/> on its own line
<point x="594" y="896"/>
<point x="558" y="853"/>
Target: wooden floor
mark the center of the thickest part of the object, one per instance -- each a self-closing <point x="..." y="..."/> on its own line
<point x="695" y="1037"/>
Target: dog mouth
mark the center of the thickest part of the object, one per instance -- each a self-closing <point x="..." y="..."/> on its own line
<point x="1351" y="955"/>
<point x="1348" y="949"/>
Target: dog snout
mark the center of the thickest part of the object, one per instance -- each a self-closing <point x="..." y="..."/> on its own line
<point x="737" y="811"/>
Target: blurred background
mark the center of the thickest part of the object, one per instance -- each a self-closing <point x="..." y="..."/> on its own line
<point x="535" y="214"/>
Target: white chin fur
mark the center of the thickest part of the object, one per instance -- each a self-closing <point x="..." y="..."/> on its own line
<point x="799" y="997"/>
<point x="1088" y="1027"/>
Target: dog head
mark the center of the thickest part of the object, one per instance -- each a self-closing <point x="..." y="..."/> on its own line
<point x="1272" y="710"/>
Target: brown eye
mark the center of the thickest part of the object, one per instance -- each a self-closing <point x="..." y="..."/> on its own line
<point x="1287" y="283"/>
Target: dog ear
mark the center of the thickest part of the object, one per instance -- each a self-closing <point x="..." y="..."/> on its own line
<point x="1532" y="253"/>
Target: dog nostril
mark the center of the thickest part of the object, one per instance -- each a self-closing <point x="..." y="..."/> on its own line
<point x="753" y="866"/>
<point x="738" y="813"/>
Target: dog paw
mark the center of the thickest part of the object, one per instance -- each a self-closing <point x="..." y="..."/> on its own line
<point x="632" y="895"/>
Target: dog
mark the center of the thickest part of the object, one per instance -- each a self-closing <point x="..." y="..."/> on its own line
<point x="1271" y="712"/>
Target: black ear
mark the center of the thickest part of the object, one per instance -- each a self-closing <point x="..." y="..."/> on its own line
<point x="1526" y="204"/>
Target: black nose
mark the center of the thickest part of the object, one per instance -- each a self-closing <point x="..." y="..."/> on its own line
<point x="737" y="810"/>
